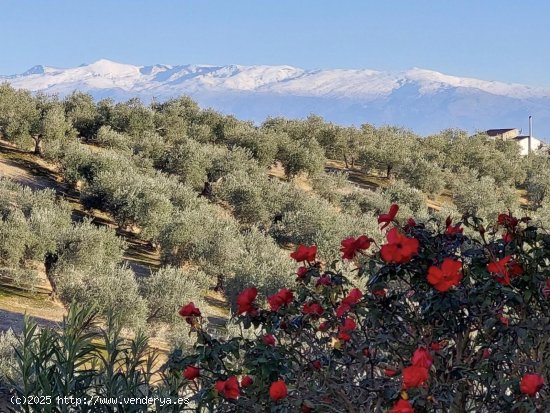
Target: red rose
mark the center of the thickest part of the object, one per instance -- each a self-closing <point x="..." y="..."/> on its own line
<point x="189" y="311"/>
<point x="380" y="293"/>
<point x="507" y="220"/>
<point x="351" y="299"/>
<point x="399" y="249"/>
<point x="283" y="297"/>
<point x="402" y="406"/>
<point x="269" y="340"/>
<point x="507" y="237"/>
<point x="350" y="246"/>
<point x="349" y="324"/>
<point x="411" y="223"/>
<point x="316" y="364"/>
<point x="191" y="372"/>
<point x="504" y="320"/>
<point x="305" y="408"/>
<point x="504" y="269"/>
<point x="278" y="390"/>
<point x="312" y="308"/>
<point x="452" y="229"/>
<point x="422" y="358"/>
<point x="414" y="376"/>
<point x="449" y="275"/>
<point x="323" y="326"/>
<point x="324" y="280"/>
<point x="343" y="335"/>
<point x="438" y="346"/>
<point x="353" y="296"/>
<point x="342" y="309"/>
<point x="228" y="388"/>
<point x="390" y="372"/>
<point x="304" y="253"/>
<point x="245" y="301"/>
<point x="301" y="272"/>
<point x="389" y="217"/>
<point x="531" y="383"/>
<point x="246" y="381"/>
<point x="486" y="353"/>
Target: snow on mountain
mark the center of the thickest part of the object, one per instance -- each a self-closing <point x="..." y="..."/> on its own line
<point x="422" y="100"/>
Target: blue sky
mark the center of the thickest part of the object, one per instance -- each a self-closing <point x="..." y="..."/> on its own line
<point x="504" y="40"/>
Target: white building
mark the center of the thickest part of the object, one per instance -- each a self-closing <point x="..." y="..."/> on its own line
<point x="514" y="134"/>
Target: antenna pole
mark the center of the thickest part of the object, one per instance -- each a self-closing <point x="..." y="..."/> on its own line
<point x="530" y="133"/>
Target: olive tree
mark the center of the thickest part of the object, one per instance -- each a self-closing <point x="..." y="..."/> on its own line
<point x="83" y="114"/>
<point x="387" y="149"/>
<point x="480" y="195"/>
<point x="131" y="117"/>
<point x="167" y="289"/>
<point x="25" y="119"/>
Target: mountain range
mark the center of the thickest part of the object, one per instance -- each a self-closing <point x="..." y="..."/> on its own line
<point x="422" y="100"/>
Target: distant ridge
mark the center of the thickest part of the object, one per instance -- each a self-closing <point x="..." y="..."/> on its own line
<point x="423" y="100"/>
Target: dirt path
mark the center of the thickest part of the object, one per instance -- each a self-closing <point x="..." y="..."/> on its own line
<point x="15" y="304"/>
<point x="14" y="165"/>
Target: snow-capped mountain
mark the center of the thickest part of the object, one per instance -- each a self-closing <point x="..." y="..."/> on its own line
<point x="423" y="100"/>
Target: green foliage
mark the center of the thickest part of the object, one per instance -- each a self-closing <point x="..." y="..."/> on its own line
<point x="25" y="119"/>
<point x="31" y="226"/>
<point x="331" y="186"/>
<point x="201" y="235"/>
<point x="255" y="199"/>
<point x="173" y="117"/>
<point x="112" y="139"/>
<point x="132" y="199"/>
<point x="424" y="175"/>
<point x="8" y="367"/>
<point x="18" y="113"/>
<point x="149" y="145"/>
<point x="304" y="156"/>
<point x="247" y="195"/>
<point x="387" y="149"/>
<point x="130" y="117"/>
<point x="105" y="288"/>
<point x="398" y="192"/>
<point x="310" y="220"/>
<point x="189" y="160"/>
<point x="88" y="272"/>
<point x="260" y="263"/>
<point x="481" y="196"/>
<point x="83" y="114"/>
<point x="538" y="180"/>
<point x="83" y="361"/>
<point x="365" y="202"/>
<point x="167" y="289"/>
<point x="87" y="247"/>
<point x="262" y="144"/>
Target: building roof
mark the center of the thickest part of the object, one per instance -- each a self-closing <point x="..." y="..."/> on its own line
<point x="497" y="132"/>
<point x="521" y="137"/>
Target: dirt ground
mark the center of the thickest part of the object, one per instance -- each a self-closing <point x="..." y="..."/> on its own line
<point x="15" y="304"/>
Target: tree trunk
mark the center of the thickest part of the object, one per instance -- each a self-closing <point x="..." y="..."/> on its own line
<point x="352" y="162"/>
<point x="346" y="161"/>
<point x="388" y="171"/>
<point x="38" y="150"/>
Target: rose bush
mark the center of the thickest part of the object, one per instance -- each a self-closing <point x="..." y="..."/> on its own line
<point x="446" y="323"/>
